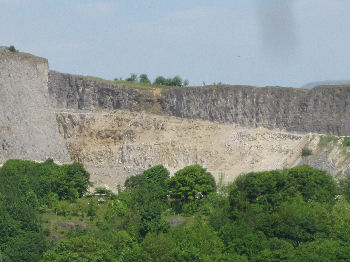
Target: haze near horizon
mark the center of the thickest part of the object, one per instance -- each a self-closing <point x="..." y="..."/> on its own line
<point x="250" y="42"/>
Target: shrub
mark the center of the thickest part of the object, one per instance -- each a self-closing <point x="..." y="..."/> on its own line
<point x="144" y="79"/>
<point x="176" y="81"/>
<point x="344" y="185"/>
<point x="104" y="191"/>
<point x="306" y="152"/>
<point x="12" y="49"/>
<point x="132" y="78"/>
<point x="160" y="80"/>
<point x="190" y="184"/>
<point x="346" y="141"/>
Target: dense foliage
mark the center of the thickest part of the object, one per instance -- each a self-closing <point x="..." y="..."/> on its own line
<point x="25" y="187"/>
<point x="297" y="214"/>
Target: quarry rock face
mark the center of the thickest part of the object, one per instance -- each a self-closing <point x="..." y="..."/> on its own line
<point x="324" y="109"/>
<point x="116" y="130"/>
<point x="28" y="128"/>
<point x="84" y="93"/>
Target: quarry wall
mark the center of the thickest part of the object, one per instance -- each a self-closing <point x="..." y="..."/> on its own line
<point x="115" y="145"/>
<point x="321" y="110"/>
<point x="116" y="130"/>
<point x="28" y="128"/>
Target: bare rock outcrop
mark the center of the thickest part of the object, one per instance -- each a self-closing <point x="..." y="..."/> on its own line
<point x="324" y="109"/>
<point x="115" y="145"/>
<point x="117" y="130"/>
<point x="28" y="128"/>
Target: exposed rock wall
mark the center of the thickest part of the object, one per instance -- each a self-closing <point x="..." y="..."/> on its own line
<point x="118" y="131"/>
<point x="28" y="128"/>
<point x="115" y="145"/>
<point x="84" y="93"/>
<point x="320" y="110"/>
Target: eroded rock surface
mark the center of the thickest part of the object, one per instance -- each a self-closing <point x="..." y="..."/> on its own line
<point x="28" y="128"/>
<point x="117" y="131"/>
<point x="115" y="145"/>
<point x="324" y="109"/>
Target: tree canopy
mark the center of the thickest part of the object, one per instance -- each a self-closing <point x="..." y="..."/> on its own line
<point x="297" y="214"/>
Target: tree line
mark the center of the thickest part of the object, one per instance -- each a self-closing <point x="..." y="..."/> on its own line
<point x="160" y="80"/>
<point x="296" y="214"/>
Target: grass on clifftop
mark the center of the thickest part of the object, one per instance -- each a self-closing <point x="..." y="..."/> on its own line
<point x="145" y="85"/>
<point x="131" y="84"/>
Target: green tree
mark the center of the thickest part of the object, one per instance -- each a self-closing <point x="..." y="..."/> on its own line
<point x="160" y="80"/>
<point x="275" y="250"/>
<point x="323" y="250"/>
<point x="197" y="242"/>
<point x="314" y="184"/>
<point x="190" y="184"/>
<point x="81" y="249"/>
<point x="176" y="81"/>
<point x="148" y="195"/>
<point x="344" y="185"/>
<point x="12" y="49"/>
<point x="144" y="79"/>
<point x="159" y="248"/>
<point x="299" y="221"/>
<point x="92" y="209"/>
<point x="270" y="189"/>
<point x="132" y="78"/>
<point x="73" y="182"/>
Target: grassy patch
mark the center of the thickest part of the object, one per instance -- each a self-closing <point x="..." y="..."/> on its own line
<point x="131" y="84"/>
<point x="327" y="140"/>
<point x="346" y="141"/>
<point x="342" y="143"/>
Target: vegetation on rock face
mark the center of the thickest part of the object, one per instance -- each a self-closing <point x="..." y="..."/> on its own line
<point x="297" y="214"/>
<point x="306" y="152"/>
<point x="12" y="49"/>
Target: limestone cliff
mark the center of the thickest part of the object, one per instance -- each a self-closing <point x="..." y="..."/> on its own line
<point x="117" y="130"/>
<point x="115" y="145"/>
<point x="321" y="110"/>
<point x="28" y="128"/>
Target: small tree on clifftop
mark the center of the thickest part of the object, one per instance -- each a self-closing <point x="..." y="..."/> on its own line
<point x="12" y="49"/>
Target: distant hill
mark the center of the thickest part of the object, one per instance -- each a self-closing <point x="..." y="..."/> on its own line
<point x="325" y="83"/>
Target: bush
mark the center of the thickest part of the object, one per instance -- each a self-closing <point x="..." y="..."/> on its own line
<point x="190" y="184"/>
<point x="144" y="79"/>
<point x="12" y="49"/>
<point x="176" y="81"/>
<point x="270" y="189"/>
<point x="132" y="78"/>
<point x="344" y="185"/>
<point x="346" y="141"/>
<point x="306" y="152"/>
<point x="314" y="184"/>
<point x="104" y="191"/>
<point x="160" y="80"/>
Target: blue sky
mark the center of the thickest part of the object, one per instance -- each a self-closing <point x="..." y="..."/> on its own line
<point x="254" y="42"/>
